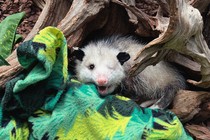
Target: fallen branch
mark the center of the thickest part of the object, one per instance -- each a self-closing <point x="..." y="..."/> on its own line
<point x="189" y="41"/>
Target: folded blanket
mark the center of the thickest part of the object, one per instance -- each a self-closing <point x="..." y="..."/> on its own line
<point x="45" y="102"/>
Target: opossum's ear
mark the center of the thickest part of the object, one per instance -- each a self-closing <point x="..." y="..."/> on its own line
<point x="79" y="54"/>
<point x="123" y="57"/>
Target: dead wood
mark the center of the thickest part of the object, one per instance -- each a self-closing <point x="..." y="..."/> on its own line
<point x="9" y="72"/>
<point x="189" y="41"/>
<point x="201" y="132"/>
<point x="189" y="105"/>
<point x="48" y="16"/>
<point x="39" y="3"/>
<point x="147" y="24"/>
<point x="75" y="24"/>
<point x="201" y="5"/>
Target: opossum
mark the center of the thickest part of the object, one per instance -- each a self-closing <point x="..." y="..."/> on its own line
<point x="106" y="63"/>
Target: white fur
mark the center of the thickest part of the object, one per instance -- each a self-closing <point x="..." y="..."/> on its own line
<point x="106" y="64"/>
<point x="155" y="82"/>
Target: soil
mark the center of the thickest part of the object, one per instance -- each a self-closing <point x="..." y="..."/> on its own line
<point x="32" y="12"/>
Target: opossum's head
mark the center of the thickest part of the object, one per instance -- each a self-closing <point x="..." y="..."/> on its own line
<point x="101" y="66"/>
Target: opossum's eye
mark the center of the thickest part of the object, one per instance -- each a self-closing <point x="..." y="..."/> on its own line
<point x="91" y="66"/>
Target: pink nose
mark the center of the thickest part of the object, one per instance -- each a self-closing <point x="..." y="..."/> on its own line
<point x="102" y="80"/>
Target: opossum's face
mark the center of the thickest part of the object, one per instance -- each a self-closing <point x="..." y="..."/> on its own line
<point x="101" y="66"/>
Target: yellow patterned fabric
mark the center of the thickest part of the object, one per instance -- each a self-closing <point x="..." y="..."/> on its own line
<point x="44" y="102"/>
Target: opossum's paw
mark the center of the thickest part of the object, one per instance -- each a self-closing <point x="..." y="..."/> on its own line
<point x="148" y="103"/>
<point x="155" y="106"/>
<point x="161" y="103"/>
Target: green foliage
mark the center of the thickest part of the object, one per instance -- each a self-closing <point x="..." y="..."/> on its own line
<point x="8" y="35"/>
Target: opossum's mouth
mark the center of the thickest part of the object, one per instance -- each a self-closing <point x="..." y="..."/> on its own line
<point x="103" y="90"/>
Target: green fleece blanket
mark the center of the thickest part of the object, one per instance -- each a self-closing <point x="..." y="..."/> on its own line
<point x="44" y="102"/>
